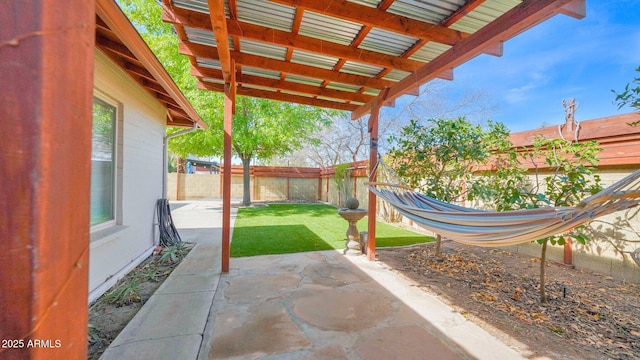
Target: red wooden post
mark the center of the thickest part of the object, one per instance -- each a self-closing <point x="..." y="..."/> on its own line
<point x="355" y="186"/>
<point x="568" y="251"/>
<point x="46" y="87"/>
<point x="373" y="160"/>
<point x="229" y="109"/>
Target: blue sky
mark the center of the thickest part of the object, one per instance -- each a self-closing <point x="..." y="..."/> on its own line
<point x="559" y="59"/>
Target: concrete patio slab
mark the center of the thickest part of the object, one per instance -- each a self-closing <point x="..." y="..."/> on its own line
<point x="317" y="305"/>
<point x="256" y="331"/>
<point x="335" y="310"/>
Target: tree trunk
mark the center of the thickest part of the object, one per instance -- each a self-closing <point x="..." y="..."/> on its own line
<point x="246" y="181"/>
<point x="438" y="244"/>
<point x="181" y="165"/>
<point x="181" y="168"/>
<point x="543" y="261"/>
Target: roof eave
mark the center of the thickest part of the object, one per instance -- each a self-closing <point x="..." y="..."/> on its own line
<point x="113" y="16"/>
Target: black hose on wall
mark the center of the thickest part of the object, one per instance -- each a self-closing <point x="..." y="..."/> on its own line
<point x="168" y="234"/>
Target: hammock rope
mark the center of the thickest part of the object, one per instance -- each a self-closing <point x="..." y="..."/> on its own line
<point x="490" y="228"/>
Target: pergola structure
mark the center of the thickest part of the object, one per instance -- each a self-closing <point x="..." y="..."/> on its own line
<point x="353" y="55"/>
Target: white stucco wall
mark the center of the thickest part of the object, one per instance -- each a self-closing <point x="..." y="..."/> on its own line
<point x="119" y="248"/>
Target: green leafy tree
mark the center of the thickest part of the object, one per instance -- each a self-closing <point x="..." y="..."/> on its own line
<point x="261" y="128"/>
<point x="439" y="158"/>
<point x="570" y="179"/>
<point x="146" y="16"/>
<point x="452" y="160"/>
<point x="500" y="182"/>
<point x="630" y="96"/>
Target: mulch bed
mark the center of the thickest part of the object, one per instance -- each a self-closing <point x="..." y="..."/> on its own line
<point x="108" y="316"/>
<point x="587" y="315"/>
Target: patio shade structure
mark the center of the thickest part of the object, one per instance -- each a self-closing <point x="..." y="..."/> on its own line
<point x="353" y="55"/>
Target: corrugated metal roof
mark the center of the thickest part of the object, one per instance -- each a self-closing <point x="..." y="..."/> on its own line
<point x="431" y="11"/>
<point x="249" y="70"/>
<point x="484" y="14"/>
<point x="313" y="59"/>
<point x="266" y="13"/>
<point x="359" y="68"/>
<point x="330" y="99"/>
<point x="387" y="42"/>
<point x="429" y="51"/>
<point x="211" y="80"/>
<point x="295" y="93"/>
<point x="262" y="49"/>
<point x="258" y="87"/>
<point x="328" y="28"/>
<point x="396" y="75"/>
<point x="200" y="36"/>
<point x="194" y="5"/>
<point x="303" y="80"/>
<point x="343" y="87"/>
<point x="369" y="3"/>
<point x="379" y="56"/>
<point x="372" y="92"/>
<point x="208" y="63"/>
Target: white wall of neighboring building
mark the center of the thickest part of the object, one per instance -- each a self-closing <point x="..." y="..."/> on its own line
<point x="116" y="249"/>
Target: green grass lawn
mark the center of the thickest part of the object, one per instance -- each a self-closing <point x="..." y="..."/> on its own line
<point x="291" y="228"/>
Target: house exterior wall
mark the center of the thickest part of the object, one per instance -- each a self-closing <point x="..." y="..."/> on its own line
<point x="117" y="249"/>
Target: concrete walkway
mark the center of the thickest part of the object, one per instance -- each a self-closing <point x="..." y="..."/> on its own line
<point x="317" y="305"/>
<point x="171" y="323"/>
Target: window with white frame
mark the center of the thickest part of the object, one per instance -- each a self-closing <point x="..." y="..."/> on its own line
<point x="103" y="165"/>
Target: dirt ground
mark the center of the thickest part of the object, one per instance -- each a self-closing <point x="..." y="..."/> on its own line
<point x="110" y="313"/>
<point x="587" y="316"/>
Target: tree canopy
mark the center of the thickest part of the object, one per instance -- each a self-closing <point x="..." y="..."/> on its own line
<point x="439" y="157"/>
<point x="630" y="96"/>
<point x="261" y="128"/>
<point x="146" y="16"/>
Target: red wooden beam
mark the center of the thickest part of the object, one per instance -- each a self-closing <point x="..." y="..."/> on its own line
<point x="273" y="95"/>
<point x="46" y="62"/>
<point x="279" y="84"/>
<point x="219" y="24"/>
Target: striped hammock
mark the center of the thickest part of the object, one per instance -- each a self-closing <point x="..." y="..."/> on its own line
<point x="491" y="228"/>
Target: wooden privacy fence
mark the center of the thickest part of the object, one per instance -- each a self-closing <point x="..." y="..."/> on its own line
<point x="274" y="183"/>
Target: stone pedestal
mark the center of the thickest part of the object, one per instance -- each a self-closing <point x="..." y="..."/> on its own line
<point x="353" y="236"/>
